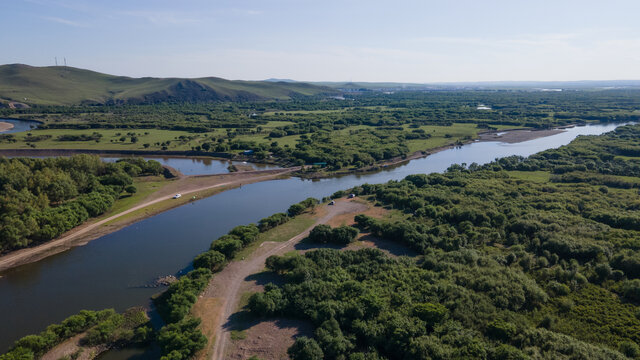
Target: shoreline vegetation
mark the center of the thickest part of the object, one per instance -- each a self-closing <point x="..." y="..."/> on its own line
<point x="358" y="132"/>
<point x="192" y="188"/>
<point x="100" y="226"/>
<point x="495" y="253"/>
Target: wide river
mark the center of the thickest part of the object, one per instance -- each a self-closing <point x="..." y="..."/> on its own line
<point x="110" y="272"/>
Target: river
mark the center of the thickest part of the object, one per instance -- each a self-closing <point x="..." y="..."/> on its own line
<point x="19" y="125"/>
<point x="198" y="165"/>
<point x="110" y="272"/>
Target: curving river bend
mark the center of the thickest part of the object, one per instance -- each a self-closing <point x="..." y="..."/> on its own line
<point x="110" y="272"/>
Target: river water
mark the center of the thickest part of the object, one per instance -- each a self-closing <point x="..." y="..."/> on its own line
<point x="198" y="165"/>
<point x="19" y="125"/>
<point x="110" y="272"/>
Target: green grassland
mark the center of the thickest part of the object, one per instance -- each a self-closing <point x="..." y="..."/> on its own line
<point x="280" y="233"/>
<point x="110" y="140"/>
<point x="184" y="140"/>
<point x="61" y="85"/>
<point x="443" y="135"/>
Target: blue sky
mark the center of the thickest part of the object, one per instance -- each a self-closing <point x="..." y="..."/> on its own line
<point x="348" y="40"/>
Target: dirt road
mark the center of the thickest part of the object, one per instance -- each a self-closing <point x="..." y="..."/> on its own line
<point x="227" y="284"/>
<point x="186" y="186"/>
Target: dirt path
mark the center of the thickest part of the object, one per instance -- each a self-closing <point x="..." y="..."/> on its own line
<point x="71" y="347"/>
<point x="226" y="285"/>
<point x="186" y="186"/>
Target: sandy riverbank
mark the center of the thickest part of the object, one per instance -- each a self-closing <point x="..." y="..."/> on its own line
<point x="506" y="136"/>
<point x="191" y="187"/>
<point x="516" y="136"/>
<point x="5" y="126"/>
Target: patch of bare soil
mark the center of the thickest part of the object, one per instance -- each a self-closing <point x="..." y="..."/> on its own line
<point x="5" y="126"/>
<point x="238" y="278"/>
<point x="516" y="136"/>
<point x="349" y="219"/>
<point x="391" y="248"/>
<point x="18" y="105"/>
<point x="268" y="340"/>
<point x="71" y="347"/>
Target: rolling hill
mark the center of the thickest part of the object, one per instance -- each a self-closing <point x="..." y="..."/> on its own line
<point x="60" y="85"/>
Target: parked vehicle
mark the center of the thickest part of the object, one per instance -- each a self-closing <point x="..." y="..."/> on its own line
<point x="177" y="196"/>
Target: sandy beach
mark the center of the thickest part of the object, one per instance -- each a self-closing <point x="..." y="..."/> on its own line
<point x="516" y="136"/>
<point x="4" y="126"/>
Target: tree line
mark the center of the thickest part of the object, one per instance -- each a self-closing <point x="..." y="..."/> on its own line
<point x="42" y="198"/>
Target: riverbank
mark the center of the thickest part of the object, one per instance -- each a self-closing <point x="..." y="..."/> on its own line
<point x="224" y="295"/>
<point x="5" y="126"/>
<point x="517" y="135"/>
<point x="191" y="188"/>
<point x="510" y="136"/>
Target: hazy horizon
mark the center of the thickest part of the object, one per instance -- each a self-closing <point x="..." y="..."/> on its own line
<point x="358" y="81"/>
<point x="359" y="41"/>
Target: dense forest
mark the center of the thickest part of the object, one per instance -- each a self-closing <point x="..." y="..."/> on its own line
<point x="355" y="131"/>
<point x="517" y="259"/>
<point x="42" y="198"/>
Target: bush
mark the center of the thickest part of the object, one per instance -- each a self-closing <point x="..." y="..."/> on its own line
<point x="181" y="340"/>
<point x="342" y="235"/>
<point x="175" y="303"/>
<point x="228" y="245"/>
<point x="272" y="221"/>
<point x="631" y="290"/>
<point x="305" y="348"/>
<point x="295" y="209"/>
<point x="501" y="330"/>
<point x="629" y="349"/>
<point x="212" y="260"/>
<point x="430" y="313"/>
<point x="246" y="233"/>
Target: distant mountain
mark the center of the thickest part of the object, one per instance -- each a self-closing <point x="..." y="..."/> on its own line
<point x="61" y="85"/>
<point x="488" y="85"/>
<point x="280" y="80"/>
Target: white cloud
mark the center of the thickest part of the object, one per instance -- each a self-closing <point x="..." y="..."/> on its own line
<point x="64" y="21"/>
<point x="163" y="17"/>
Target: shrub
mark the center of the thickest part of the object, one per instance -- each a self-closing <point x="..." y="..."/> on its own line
<point x="212" y="260"/>
<point x="228" y="245"/>
<point x="430" y="313"/>
<point x="631" y="290"/>
<point x="305" y="348"/>
<point x="181" y="340"/>
<point x="501" y="330"/>
<point x="342" y="235"/>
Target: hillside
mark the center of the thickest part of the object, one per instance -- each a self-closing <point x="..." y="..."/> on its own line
<point x="59" y="85"/>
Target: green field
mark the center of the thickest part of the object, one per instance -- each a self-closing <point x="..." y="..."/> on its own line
<point x="443" y="135"/>
<point x="110" y="139"/>
<point x="61" y="85"/>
